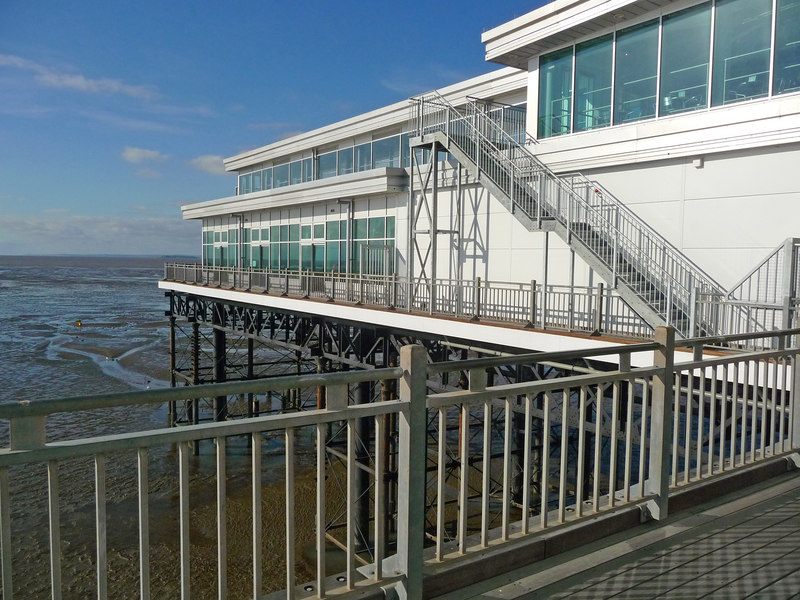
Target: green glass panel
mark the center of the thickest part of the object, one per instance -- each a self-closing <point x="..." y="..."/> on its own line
<point x="246" y="235"/>
<point x="305" y="232"/>
<point x="685" y="40"/>
<point x="274" y="256"/>
<point x="274" y="233"/>
<point x="284" y="250"/>
<point x="280" y="175"/>
<point x="294" y="255"/>
<point x="343" y="230"/>
<point x="405" y="150"/>
<point x="224" y="237"/>
<point x="390" y="227"/>
<point x="636" y="66"/>
<point x="787" y="48"/>
<point x="355" y="258"/>
<point x="306" y="255"/>
<point x="255" y="234"/>
<point x="386" y="152"/>
<point x="284" y="233"/>
<point x="742" y="33"/>
<point x="555" y="93"/>
<point x="332" y="256"/>
<point x="264" y="257"/>
<point x="377" y="228"/>
<point x="332" y="230"/>
<point x="360" y="229"/>
<point x="294" y="233"/>
<point x="326" y="165"/>
<point x="593" y="83"/>
<point x="345" y="161"/>
<point x="318" y="257"/>
<point x="319" y="231"/>
<point x="296" y="172"/>
<point x="267" y="179"/>
<point x="217" y="237"/>
<point x="363" y="157"/>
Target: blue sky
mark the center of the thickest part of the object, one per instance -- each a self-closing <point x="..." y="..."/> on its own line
<point x="114" y="114"/>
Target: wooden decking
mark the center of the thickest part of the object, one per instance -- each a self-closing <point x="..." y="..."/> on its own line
<point x="745" y="547"/>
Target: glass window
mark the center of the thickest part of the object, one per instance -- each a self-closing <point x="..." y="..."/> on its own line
<point x="405" y="150"/>
<point x="787" y="48"/>
<point x="217" y="237"/>
<point x="390" y="227"/>
<point x="305" y="257"/>
<point x="363" y="157"/>
<point x="255" y="235"/>
<point x="265" y="234"/>
<point x="224" y="237"/>
<point x="331" y="256"/>
<point x="318" y="257"/>
<point x="342" y="230"/>
<point x="377" y="228"/>
<point x="284" y="253"/>
<point x="360" y="229"/>
<point x="684" y="60"/>
<point x="284" y="233"/>
<point x="294" y="255"/>
<point x="280" y="175"/>
<point x="266" y="179"/>
<point x="386" y="152"/>
<point x="294" y="233"/>
<point x="274" y="257"/>
<point x="423" y="155"/>
<point x="593" y="83"/>
<point x="555" y="93"/>
<point x="326" y="165"/>
<point x="742" y="32"/>
<point x="256" y="258"/>
<point x="246" y="236"/>
<point x="345" y="161"/>
<point x="305" y="232"/>
<point x="319" y="231"/>
<point x="308" y="174"/>
<point x="636" y="68"/>
<point x="257" y="181"/>
<point x="332" y="230"/>
<point x="296" y="172"/>
<point x="244" y="183"/>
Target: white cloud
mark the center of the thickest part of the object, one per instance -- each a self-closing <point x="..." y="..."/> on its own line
<point x="59" y="234"/>
<point x="140" y="155"/>
<point x="210" y="163"/>
<point x="76" y="81"/>
<point x="148" y="173"/>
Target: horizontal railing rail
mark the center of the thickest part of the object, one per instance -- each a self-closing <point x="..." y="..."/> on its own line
<point x="476" y="467"/>
<point x="573" y="308"/>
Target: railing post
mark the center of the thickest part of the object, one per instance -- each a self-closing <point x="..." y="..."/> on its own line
<point x="657" y="483"/>
<point x="286" y="284"/>
<point x="598" y="309"/>
<point x="411" y="468"/>
<point x="476" y="300"/>
<point x="693" y="312"/>
<point x="532" y="316"/>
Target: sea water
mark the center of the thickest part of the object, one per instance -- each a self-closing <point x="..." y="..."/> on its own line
<point x="76" y="326"/>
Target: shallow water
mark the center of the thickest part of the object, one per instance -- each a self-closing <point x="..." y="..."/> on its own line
<point x="72" y="326"/>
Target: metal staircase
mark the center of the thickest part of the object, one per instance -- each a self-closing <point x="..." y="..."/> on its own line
<point x="656" y="280"/>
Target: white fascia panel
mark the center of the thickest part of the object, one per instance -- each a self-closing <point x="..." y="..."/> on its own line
<point x="353" y="185"/>
<point x="505" y="44"/>
<point x="748" y="125"/>
<point x="501" y="81"/>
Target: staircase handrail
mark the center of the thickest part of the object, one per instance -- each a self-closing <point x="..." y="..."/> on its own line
<point x="513" y="152"/>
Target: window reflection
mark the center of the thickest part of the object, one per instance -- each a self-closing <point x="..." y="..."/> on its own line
<point x="684" y="60"/>
<point x="741" y="50"/>
<point x="787" y="48"/>
<point x="593" y="83"/>
<point x="555" y="93"/>
<point x="636" y="67"/>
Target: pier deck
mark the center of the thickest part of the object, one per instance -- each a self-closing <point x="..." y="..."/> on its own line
<point x="742" y="546"/>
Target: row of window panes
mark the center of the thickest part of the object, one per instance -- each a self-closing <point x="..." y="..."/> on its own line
<point x="629" y="73"/>
<point x="388" y="152"/>
<point x="283" y="250"/>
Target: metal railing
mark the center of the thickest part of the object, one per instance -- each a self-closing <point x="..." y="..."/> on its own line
<point x="572" y="308"/>
<point x="569" y="448"/>
<point x="635" y="254"/>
